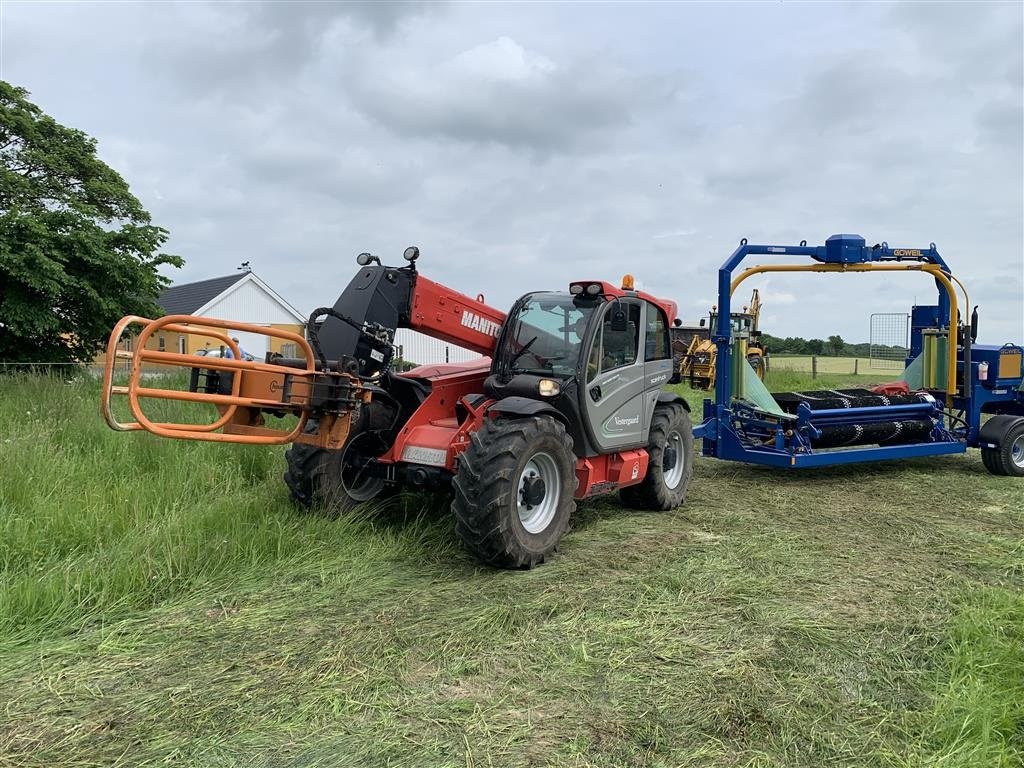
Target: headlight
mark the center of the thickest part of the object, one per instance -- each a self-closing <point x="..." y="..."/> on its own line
<point x="548" y="387"/>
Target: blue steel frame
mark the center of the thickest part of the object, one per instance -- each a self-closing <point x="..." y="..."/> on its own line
<point x="728" y="427"/>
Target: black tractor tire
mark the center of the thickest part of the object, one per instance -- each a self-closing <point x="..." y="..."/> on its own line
<point x="1008" y="458"/>
<point x="990" y="458"/>
<point x="757" y="363"/>
<point x="503" y="514"/>
<point x="316" y="476"/>
<point x="664" y="487"/>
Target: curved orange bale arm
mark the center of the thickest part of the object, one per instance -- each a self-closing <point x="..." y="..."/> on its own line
<point x="255" y="385"/>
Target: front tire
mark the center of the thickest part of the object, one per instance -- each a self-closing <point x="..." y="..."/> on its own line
<point x="670" y="466"/>
<point x="336" y="481"/>
<point x="514" y="491"/>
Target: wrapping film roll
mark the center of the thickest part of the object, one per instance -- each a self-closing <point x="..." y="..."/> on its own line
<point x="827" y="399"/>
<point x="872" y="433"/>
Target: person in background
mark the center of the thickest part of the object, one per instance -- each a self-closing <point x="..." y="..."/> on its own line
<point x="229" y="353"/>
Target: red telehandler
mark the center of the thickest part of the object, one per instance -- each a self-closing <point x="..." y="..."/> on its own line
<point x="570" y="404"/>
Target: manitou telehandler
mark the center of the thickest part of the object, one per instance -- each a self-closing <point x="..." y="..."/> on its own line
<point x="570" y="404"/>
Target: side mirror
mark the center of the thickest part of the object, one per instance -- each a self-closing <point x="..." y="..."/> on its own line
<point x="619" y="322"/>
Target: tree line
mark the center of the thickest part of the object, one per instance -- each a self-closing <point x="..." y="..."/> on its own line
<point x="834" y="346"/>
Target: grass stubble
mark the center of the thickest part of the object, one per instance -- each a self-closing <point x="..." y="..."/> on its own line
<point x="162" y="603"/>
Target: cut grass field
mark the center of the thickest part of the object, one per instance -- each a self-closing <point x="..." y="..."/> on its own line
<point x="162" y="603"/>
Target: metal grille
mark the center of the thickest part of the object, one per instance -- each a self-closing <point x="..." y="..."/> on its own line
<point x="890" y="340"/>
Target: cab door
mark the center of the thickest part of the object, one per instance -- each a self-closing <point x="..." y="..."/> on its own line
<point x="658" y="362"/>
<point x="613" y="396"/>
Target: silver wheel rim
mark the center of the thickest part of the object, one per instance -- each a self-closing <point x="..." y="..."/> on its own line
<point x="1017" y="451"/>
<point x="535" y="518"/>
<point x="674" y="475"/>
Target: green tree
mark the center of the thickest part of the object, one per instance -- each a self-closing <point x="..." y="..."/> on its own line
<point x="77" y="249"/>
<point x="836" y="344"/>
<point x="815" y="346"/>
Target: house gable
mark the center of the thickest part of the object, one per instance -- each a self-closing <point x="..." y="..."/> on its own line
<point x="251" y="301"/>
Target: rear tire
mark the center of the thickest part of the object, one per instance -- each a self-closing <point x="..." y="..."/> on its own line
<point x="1008" y="458"/>
<point x="668" y="471"/>
<point x="514" y="491"/>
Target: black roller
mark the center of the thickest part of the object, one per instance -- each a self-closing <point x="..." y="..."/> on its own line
<point x="827" y="399"/>
<point x="880" y="433"/>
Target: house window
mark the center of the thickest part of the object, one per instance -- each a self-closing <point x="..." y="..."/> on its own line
<point x="161" y="343"/>
<point x="181" y="345"/>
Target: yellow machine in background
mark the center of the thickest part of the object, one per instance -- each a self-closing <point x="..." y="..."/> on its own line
<point x="698" y="363"/>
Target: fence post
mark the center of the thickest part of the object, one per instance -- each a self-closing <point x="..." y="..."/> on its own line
<point x="856" y="364"/>
<point x="814" y="366"/>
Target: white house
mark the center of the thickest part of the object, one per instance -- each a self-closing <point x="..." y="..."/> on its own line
<point x="242" y="297"/>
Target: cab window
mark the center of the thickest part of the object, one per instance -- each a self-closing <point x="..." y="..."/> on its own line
<point x="657" y="341"/>
<point x="615" y="349"/>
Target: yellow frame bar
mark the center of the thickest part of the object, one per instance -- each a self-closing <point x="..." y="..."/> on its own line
<point x="932" y="270"/>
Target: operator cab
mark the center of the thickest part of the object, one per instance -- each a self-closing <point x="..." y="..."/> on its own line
<point x="599" y="355"/>
<point x="741" y="323"/>
<point x="546" y="335"/>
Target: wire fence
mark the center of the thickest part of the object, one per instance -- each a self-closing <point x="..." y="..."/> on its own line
<point x="32" y="366"/>
<point x="890" y="340"/>
<point x="36" y="364"/>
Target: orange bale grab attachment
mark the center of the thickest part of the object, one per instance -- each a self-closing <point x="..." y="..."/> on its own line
<point x="255" y="387"/>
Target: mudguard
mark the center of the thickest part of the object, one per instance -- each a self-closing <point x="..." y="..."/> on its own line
<point x="522" y="407"/>
<point x="991" y="433"/>
<point x="672" y="397"/>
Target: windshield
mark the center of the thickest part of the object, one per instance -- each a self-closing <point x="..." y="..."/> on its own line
<point x="546" y="335"/>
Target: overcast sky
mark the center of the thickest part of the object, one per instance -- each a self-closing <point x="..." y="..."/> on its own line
<point x="524" y="145"/>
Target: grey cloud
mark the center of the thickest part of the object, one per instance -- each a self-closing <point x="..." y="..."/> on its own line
<point x="352" y="178"/>
<point x="501" y="92"/>
<point x="1002" y="122"/>
<point x="233" y="50"/>
<point x="300" y="20"/>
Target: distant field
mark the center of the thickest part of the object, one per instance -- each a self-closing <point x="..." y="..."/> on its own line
<point x="162" y="603"/>
<point x="838" y="365"/>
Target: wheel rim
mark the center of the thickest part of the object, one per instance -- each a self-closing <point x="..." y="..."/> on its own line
<point x="536" y="516"/>
<point x="355" y="481"/>
<point x="1017" y="452"/>
<point x="674" y="474"/>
